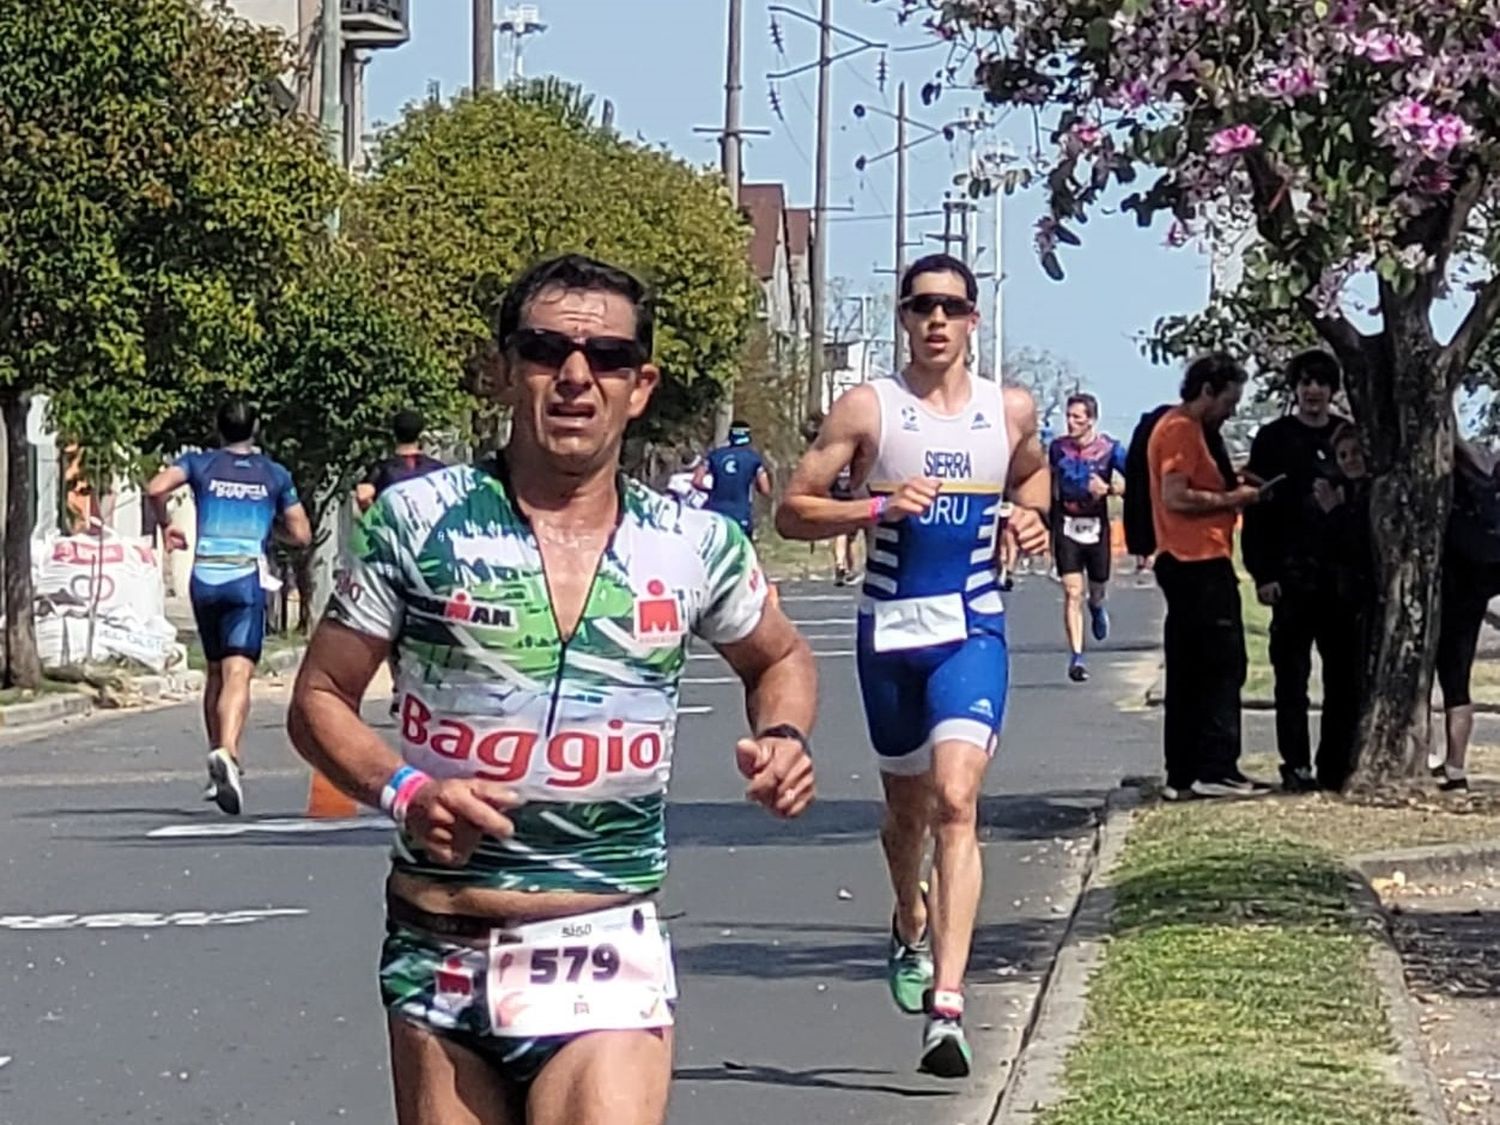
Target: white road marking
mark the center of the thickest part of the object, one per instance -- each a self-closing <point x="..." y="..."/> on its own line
<point x="815" y="621"/>
<point x="144" y="920"/>
<point x="269" y="826"/>
<point x="816" y="598"/>
<point x="696" y="709"/>
<point x="5" y="1060"/>
<point x="711" y="680"/>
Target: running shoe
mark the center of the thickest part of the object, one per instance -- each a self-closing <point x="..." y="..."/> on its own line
<point x="1099" y="617"/>
<point x="1179" y="793"/>
<point x="945" y="1048"/>
<point x="1007" y="583"/>
<point x="224" y="774"/>
<point x="909" y="971"/>
<point x="1076" y="671"/>
<point x="839" y="576"/>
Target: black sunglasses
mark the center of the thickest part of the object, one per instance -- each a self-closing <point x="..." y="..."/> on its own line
<point x="604" y="354"/>
<point x="924" y="304"/>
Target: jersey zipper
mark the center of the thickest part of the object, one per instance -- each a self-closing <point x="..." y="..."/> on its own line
<point x="563" y="643"/>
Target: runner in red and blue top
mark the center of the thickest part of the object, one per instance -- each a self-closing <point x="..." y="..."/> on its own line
<point x="406" y="461"/>
<point x="1088" y="467"/>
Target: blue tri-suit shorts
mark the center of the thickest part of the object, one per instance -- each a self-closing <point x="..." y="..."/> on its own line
<point x="231" y="616"/>
<point x="917" y="697"/>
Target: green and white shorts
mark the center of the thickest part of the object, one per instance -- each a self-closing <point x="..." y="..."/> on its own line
<point x="519" y="994"/>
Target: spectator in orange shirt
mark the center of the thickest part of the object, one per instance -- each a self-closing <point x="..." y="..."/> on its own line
<point x="1194" y="507"/>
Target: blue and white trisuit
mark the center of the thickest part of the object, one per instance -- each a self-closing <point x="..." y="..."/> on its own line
<point x="931" y="650"/>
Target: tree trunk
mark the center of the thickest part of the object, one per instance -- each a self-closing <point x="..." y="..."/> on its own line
<point x="23" y="665"/>
<point x="1404" y="404"/>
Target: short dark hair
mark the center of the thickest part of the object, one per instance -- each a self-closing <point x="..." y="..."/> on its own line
<point x="236" y="421"/>
<point x="1214" y="371"/>
<point x="1085" y="400"/>
<point x="1347" y="431"/>
<point x="739" y="424"/>
<point x="939" y="263"/>
<point x="1317" y="366"/>
<point x="575" y="272"/>
<point x="407" y="426"/>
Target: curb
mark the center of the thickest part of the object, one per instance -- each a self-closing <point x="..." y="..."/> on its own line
<point x="280" y="663"/>
<point x="71" y="705"/>
<point x="45" y="710"/>
<point x="1407" y="1067"/>
<point x="1436" y="862"/>
<point x="1035" y="1080"/>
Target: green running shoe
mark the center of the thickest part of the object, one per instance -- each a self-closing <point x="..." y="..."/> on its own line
<point x="945" y="1049"/>
<point x="908" y="970"/>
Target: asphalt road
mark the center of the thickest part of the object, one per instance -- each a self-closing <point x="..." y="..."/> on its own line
<point x="151" y="971"/>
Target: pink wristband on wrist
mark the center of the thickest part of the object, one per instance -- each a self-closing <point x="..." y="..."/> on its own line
<point x="399" y="791"/>
<point x="878" y="505"/>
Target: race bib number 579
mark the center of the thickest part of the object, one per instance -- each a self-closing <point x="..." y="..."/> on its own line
<point x="609" y="970"/>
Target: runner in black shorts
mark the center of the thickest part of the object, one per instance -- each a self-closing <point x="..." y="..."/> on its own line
<point x="1084" y="464"/>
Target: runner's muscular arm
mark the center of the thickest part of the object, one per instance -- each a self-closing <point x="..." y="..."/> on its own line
<point x="446" y="817"/>
<point x="162" y="485"/>
<point x="324" y="721"/>
<point x="1030" y="478"/>
<point x="781" y="687"/>
<point x="296" y="528"/>
<point x="807" y="511"/>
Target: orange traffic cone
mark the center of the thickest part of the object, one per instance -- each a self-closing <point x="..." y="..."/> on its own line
<point x="325" y="801"/>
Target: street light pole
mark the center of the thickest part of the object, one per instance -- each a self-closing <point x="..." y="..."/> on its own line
<point x="331" y="115"/>
<point x="484" y="45"/>
<point x="898" y="336"/>
<point x="820" y="215"/>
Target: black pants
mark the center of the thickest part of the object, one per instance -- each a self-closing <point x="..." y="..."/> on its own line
<point x="1300" y="619"/>
<point x="1204" y="640"/>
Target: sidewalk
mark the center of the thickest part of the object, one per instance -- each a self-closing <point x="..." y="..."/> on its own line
<point x="1232" y="963"/>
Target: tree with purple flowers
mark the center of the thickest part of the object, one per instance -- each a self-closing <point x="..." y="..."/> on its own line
<point x="1362" y="144"/>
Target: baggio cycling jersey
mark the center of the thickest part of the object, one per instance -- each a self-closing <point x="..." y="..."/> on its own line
<point x="446" y="566"/>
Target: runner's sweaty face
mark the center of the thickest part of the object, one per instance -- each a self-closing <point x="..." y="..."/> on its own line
<point x="571" y="415"/>
<point x="938" y="340"/>
<point x="1079" y="422"/>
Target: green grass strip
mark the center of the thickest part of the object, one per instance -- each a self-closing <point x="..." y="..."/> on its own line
<point x="1236" y="988"/>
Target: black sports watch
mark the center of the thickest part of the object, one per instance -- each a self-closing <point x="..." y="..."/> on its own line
<point x="786" y="730"/>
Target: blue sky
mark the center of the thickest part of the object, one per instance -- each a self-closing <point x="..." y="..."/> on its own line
<point x="662" y="64"/>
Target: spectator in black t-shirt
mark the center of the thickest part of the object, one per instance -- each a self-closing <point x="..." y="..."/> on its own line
<point x="1282" y="543"/>
<point x="405" y="462"/>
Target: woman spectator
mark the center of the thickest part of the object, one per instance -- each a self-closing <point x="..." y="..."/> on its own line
<point x="1471" y="577"/>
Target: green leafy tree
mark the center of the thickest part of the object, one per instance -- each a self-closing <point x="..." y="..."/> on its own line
<point x="1360" y="143"/>
<point x="336" y="358"/>
<point x="464" y="196"/>
<point x="152" y="193"/>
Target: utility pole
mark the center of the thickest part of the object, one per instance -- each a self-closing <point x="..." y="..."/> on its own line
<point x="731" y="145"/>
<point x="331" y="115"/>
<point x="820" y="214"/>
<point x="484" y="45"/>
<point x="997" y="330"/>
<point x="898" y="336"/>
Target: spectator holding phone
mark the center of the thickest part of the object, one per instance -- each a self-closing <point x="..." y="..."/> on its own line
<point x="1284" y="545"/>
<point x="1194" y="502"/>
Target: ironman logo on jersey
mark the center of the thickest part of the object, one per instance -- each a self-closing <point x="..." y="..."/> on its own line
<point x="658" y="616"/>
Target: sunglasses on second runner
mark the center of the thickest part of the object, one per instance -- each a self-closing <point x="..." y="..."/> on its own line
<point x="925" y="304"/>
<point x="605" y="355"/>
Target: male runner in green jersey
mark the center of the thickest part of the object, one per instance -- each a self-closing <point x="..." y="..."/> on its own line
<point x="542" y="604"/>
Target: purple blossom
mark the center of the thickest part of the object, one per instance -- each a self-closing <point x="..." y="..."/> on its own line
<point x="1403" y="123"/>
<point x="1447" y="133"/>
<point x="1236" y="138"/>
<point x="1289" y="83"/>
<point x="1381" y="45"/>
<point x="1130" y="94"/>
